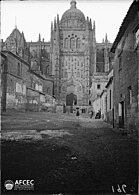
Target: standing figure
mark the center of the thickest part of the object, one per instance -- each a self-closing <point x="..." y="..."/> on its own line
<point x="91" y="114"/>
<point x="77" y="113"/>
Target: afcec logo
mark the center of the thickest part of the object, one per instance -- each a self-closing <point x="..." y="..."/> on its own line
<point x="9" y="184"/>
<point x="25" y="184"/>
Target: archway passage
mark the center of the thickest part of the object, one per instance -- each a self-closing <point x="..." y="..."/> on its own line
<point x="71" y="99"/>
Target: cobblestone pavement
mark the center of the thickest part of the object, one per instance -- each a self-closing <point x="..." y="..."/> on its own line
<point x="65" y="154"/>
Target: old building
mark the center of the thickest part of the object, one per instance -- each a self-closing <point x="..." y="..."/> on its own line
<point x="100" y="75"/>
<point x="40" y="56"/>
<point x="13" y="85"/>
<point x="126" y="71"/>
<point x="73" y="58"/>
<point x="78" y="61"/>
<point x="17" y="44"/>
<point x="109" y="100"/>
<point x="103" y="104"/>
<point x="23" y="86"/>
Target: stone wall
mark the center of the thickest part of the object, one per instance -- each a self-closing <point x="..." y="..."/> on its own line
<point x="126" y="78"/>
<point x="23" y="89"/>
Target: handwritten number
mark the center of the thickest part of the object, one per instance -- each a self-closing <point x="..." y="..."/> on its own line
<point x="119" y="189"/>
<point x="123" y="188"/>
<point x="112" y="189"/>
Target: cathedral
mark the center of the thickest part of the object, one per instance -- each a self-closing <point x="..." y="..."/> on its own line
<point x="76" y="58"/>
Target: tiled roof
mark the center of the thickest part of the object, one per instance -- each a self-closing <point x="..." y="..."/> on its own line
<point x="133" y="9"/>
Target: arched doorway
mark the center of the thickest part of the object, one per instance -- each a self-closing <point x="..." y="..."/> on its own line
<point x="71" y="99"/>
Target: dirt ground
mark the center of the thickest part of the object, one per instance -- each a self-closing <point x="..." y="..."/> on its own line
<point x="65" y="154"/>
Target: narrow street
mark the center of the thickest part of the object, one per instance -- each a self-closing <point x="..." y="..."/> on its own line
<point x="67" y="154"/>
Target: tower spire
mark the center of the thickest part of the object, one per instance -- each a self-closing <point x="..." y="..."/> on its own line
<point x="58" y="18"/>
<point x="15" y="23"/>
<point x="55" y="23"/>
<point x="90" y="23"/>
<point x="39" y="37"/>
<point x="106" y="38"/>
<point x="51" y="26"/>
<point x="94" y="25"/>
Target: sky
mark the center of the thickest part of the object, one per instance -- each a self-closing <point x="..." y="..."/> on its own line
<point x="34" y="17"/>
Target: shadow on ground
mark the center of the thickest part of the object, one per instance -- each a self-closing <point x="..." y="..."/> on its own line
<point x="53" y="168"/>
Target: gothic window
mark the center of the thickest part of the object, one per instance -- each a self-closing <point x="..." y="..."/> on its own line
<point x="66" y="43"/>
<point x="72" y="43"/>
<point x="78" y="43"/>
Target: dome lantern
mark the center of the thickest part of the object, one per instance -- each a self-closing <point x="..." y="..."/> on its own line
<point x="73" y="4"/>
<point x="73" y="17"/>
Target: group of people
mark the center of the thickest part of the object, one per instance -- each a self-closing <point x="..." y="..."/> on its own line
<point x="97" y="116"/>
<point x="91" y="113"/>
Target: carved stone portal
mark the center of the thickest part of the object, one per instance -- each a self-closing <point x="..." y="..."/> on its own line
<point x="71" y="99"/>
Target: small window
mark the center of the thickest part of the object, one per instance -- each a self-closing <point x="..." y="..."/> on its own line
<point x="98" y="86"/>
<point x="78" y="43"/>
<point x="19" y="69"/>
<point x="129" y="95"/>
<point x="66" y="43"/>
<point x="72" y="43"/>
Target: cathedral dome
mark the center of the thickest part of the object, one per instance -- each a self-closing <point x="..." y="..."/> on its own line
<point x="73" y="17"/>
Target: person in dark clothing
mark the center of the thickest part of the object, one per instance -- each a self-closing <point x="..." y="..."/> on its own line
<point x="91" y="114"/>
<point x="77" y="112"/>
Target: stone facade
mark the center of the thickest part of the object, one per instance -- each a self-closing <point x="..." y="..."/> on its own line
<point x="109" y="100"/>
<point x="22" y="88"/>
<point x="103" y="104"/>
<point x="76" y="62"/>
<point x="13" y="86"/>
<point x="17" y="44"/>
<point x="25" y="87"/>
<point x="40" y="56"/>
<point x="75" y="56"/>
<point x="126" y="71"/>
